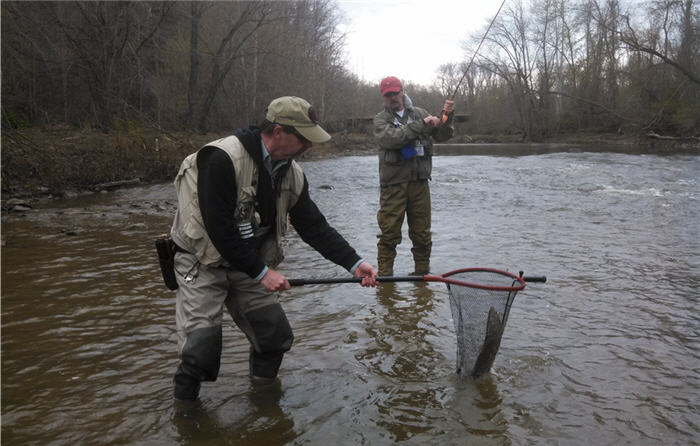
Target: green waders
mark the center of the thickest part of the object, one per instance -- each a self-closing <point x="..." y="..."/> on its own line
<point x="411" y="199"/>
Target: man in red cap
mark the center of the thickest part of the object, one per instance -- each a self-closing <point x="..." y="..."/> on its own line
<point x="405" y="135"/>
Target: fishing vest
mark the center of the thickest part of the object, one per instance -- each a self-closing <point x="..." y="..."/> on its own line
<point x="393" y="167"/>
<point x="188" y="229"/>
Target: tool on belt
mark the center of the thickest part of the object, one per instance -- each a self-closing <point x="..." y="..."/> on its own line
<point x="166" y="258"/>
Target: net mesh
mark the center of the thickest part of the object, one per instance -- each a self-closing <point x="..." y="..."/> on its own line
<point x="479" y="317"/>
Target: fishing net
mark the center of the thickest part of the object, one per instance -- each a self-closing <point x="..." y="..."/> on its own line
<point x="480" y="300"/>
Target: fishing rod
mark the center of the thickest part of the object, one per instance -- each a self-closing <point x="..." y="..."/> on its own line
<point x="443" y="117"/>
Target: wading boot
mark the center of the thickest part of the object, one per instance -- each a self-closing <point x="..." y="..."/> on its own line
<point x="262" y="381"/>
<point x="385" y="261"/>
<point x="422" y="268"/>
<point x="384" y="269"/>
<point x="186" y="388"/>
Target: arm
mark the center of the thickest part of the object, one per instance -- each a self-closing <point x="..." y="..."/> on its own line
<point x="313" y="228"/>
<point x="390" y="137"/>
<point x="445" y="131"/>
<point x="216" y="188"/>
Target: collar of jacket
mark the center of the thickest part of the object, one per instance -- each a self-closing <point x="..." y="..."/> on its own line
<point x="407" y="105"/>
<point x="250" y="138"/>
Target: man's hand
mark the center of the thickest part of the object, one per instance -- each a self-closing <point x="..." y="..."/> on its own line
<point x="368" y="274"/>
<point x="449" y="107"/>
<point x="274" y="281"/>
<point x="431" y="121"/>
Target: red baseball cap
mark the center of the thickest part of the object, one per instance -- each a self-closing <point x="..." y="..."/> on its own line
<point x="390" y="84"/>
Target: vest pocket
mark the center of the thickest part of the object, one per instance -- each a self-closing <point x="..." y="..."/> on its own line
<point x="194" y="226"/>
<point x="393" y="157"/>
<point x="245" y="206"/>
<point x="271" y="252"/>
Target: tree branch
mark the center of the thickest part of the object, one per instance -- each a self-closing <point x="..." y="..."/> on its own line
<point x="631" y="41"/>
<point x="596" y="104"/>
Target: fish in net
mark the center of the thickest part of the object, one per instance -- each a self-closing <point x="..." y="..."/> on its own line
<point x="480" y="301"/>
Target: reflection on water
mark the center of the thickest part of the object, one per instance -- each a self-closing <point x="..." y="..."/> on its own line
<point x="401" y="350"/>
<point x="255" y="416"/>
<point x="399" y="328"/>
<point x="606" y="351"/>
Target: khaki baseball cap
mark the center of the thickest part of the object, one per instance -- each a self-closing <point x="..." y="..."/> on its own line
<point x="294" y="111"/>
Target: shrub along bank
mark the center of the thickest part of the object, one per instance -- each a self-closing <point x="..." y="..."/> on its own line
<point x="59" y="160"/>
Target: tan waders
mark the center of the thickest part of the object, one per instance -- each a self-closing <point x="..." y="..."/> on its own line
<point x="411" y="199"/>
<point x="201" y="297"/>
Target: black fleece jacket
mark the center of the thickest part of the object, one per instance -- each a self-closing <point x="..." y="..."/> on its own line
<point x="216" y="187"/>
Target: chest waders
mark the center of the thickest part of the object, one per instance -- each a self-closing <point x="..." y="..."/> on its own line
<point x="200" y="300"/>
<point x="405" y="194"/>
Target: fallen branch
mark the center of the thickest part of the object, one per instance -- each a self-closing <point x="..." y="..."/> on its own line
<point x="596" y="104"/>
<point x="115" y="184"/>
<point x="674" y="138"/>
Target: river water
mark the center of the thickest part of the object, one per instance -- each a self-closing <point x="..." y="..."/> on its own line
<point x="606" y="352"/>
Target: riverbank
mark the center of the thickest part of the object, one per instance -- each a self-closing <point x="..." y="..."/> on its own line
<point x="61" y="161"/>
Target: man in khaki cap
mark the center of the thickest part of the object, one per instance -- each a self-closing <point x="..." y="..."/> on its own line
<point x="235" y="195"/>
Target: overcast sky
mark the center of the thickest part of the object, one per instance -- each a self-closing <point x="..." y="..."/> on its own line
<point x="410" y="39"/>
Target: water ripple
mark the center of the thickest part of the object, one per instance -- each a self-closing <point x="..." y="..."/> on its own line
<point x="607" y="350"/>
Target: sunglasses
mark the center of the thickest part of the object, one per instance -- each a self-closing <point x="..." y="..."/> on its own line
<point x="293" y="131"/>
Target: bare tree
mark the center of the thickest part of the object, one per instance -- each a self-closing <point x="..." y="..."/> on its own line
<point x="686" y="62"/>
<point x="248" y="18"/>
<point x="546" y="66"/>
<point x="196" y="11"/>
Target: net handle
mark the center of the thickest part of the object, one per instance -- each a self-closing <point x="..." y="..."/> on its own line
<point x="298" y="282"/>
<point x="518" y="284"/>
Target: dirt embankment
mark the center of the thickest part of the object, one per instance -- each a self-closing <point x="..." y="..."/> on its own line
<point x="60" y="161"/>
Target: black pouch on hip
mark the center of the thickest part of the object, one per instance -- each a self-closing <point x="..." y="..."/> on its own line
<point x="166" y="258"/>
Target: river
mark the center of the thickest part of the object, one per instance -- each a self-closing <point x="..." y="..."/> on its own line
<point x="606" y="352"/>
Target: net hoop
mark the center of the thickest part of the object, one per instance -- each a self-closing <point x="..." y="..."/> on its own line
<point x="518" y="282"/>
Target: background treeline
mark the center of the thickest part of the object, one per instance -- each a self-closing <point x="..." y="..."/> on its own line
<point x="553" y="66"/>
<point x="192" y="65"/>
<point x="547" y="67"/>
